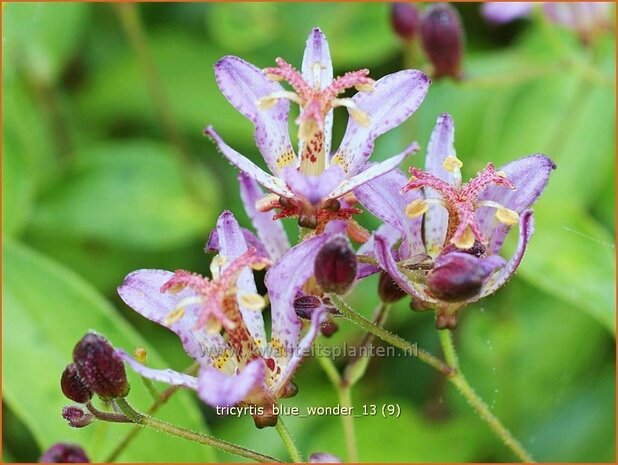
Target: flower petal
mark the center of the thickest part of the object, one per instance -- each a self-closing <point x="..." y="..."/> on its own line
<point x="141" y="290"/>
<point x="394" y="98"/>
<point x="243" y="85"/>
<point x="171" y="377"/>
<point x="504" y="12"/>
<point x="270" y="231"/>
<point x="317" y="53"/>
<point x="382" y="198"/>
<point x="530" y="176"/>
<point x="323" y="457"/>
<point x="367" y="269"/>
<point x="212" y="245"/>
<point x="526" y="229"/>
<point x="373" y="171"/>
<point x="314" y="188"/>
<point x="232" y="245"/>
<point x="219" y="389"/>
<point x="283" y="280"/>
<point x="248" y="167"/>
<point x="441" y="145"/>
<point x="301" y="351"/>
<point x="385" y="258"/>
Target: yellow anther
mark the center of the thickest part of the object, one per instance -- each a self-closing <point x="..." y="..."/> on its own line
<point x="416" y="208"/>
<point x="259" y="266"/>
<point x="213" y="326"/>
<point x="173" y="316"/>
<point x="266" y="203"/>
<point x="267" y="102"/>
<point x="216" y="264"/>
<point x="501" y="173"/>
<point x="307" y="129"/>
<point x="252" y="301"/>
<point x="507" y="216"/>
<point x="274" y="77"/>
<point x="466" y="241"/>
<point x="359" y="116"/>
<point x="451" y="163"/>
<point x="365" y="87"/>
<point x="140" y="354"/>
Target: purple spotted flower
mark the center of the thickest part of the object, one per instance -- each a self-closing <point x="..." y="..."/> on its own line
<point x="450" y="233"/>
<point x="220" y="324"/>
<point x="308" y="183"/>
<point x="585" y="18"/>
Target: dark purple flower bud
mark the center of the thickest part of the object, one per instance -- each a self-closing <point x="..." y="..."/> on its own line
<point x="305" y="305"/>
<point x="268" y="418"/>
<point x="459" y="276"/>
<point x="73" y="386"/>
<point x="328" y="328"/>
<point x="388" y="289"/>
<point x="64" y="453"/>
<point x="442" y="39"/>
<point x="77" y="416"/>
<point x="100" y="367"/>
<point x="289" y="390"/>
<point x="405" y="20"/>
<point x="335" y="266"/>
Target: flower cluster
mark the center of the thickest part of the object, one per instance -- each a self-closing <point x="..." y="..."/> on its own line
<point x="439" y="242"/>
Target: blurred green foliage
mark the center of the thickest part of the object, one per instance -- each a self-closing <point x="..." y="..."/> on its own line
<point x="105" y="171"/>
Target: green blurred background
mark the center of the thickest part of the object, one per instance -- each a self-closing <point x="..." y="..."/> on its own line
<point x="105" y="170"/>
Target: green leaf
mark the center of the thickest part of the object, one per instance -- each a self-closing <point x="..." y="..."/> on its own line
<point x="46" y="309"/>
<point x="133" y="193"/>
<point x="17" y="188"/>
<point x="42" y="37"/>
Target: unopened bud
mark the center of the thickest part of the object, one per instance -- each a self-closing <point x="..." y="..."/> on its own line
<point x="335" y="266"/>
<point x="77" y="416"/>
<point x="328" y="328"/>
<point x="269" y="418"/>
<point x="100" y="367"/>
<point x="64" y="453"/>
<point x="442" y="39"/>
<point x="289" y="390"/>
<point x="405" y="20"/>
<point x="388" y="289"/>
<point x="305" y="305"/>
<point x="73" y="386"/>
<point x="458" y="276"/>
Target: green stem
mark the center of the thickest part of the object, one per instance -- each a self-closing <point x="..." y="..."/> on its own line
<point x="288" y="440"/>
<point x="387" y="336"/>
<point x="459" y="380"/>
<point x="130" y="415"/>
<point x="345" y="399"/>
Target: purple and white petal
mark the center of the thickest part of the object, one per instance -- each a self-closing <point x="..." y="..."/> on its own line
<point x="373" y="171"/>
<point x="386" y="231"/>
<point x="212" y="245"/>
<point x="530" y="176"/>
<point x="232" y="245"/>
<point x="505" y="12"/>
<point x="317" y="68"/>
<point x="283" y="280"/>
<point x="219" y="389"/>
<point x="171" y="377"/>
<point x="270" y="232"/>
<point x="243" y="85"/>
<point x="301" y="351"/>
<point x="245" y="165"/>
<point x="314" y="189"/>
<point x="382" y="198"/>
<point x="324" y="457"/>
<point x="526" y="229"/>
<point x="384" y="255"/>
<point x="441" y="145"/>
<point x="393" y="100"/>
<point x="141" y="290"/>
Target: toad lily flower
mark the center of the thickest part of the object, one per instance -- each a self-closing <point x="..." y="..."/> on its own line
<point x="451" y="233"/>
<point x="220" y="323"/>
<point x="308" y="185"/>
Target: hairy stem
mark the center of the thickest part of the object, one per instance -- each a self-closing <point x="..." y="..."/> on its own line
<point x="459" y="380"/>
<point x="130" y="415"/>
<point x="345" y="399"/>
<point x="288" y="440"/>
<point x="389" y="337"/>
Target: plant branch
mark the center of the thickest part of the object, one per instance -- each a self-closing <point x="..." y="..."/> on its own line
<point x="288" y="440"/>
